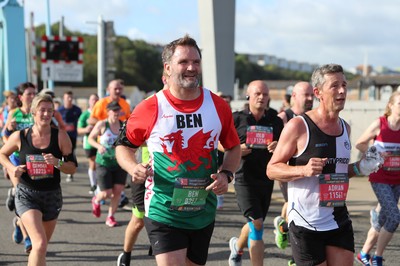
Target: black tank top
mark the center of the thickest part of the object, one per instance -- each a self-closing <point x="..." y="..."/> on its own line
<point x="27" y="148"/>
<point x="335" y="148"/>
<point x="289" y="114"/>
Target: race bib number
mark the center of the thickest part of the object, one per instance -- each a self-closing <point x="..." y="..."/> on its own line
<point x="69" y="127"/>
<point x="259" y="137"/>
<point x="189" y="194"/>
<point x="37" y="167"/>
<point x="392" y="161"/>
<point x="333" y="189"/>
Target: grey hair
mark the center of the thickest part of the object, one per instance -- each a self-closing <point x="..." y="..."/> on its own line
<point x="318" y="76"/>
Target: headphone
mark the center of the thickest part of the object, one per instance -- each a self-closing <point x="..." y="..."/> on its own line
<point x="247" y="97"/>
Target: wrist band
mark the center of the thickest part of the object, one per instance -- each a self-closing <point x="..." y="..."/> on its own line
<point x="355" y="169"/>
<point x="7" y="132"/>
<point x="229" y="175"/>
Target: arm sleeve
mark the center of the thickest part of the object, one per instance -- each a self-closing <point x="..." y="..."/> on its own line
<point x="141" y="121"/>
<point x="229" y="137"/>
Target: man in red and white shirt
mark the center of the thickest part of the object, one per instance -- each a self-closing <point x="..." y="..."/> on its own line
<point x="181" y="126"/>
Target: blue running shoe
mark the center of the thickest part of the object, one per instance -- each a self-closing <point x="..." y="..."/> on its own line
<point x="363" y="258"/>
<point x="17" y="234"/>
<point x="377" y="260"/>
<point x="28" y="245"/>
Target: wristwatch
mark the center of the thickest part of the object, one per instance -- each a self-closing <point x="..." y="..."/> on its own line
<point x="229" y="175"/>
<point x="60" y="163"/>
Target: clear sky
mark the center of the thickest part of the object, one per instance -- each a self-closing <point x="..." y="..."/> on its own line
<point x="316" y="32"/>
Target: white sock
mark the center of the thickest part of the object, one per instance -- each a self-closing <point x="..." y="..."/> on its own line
<point x="92" y="177"/>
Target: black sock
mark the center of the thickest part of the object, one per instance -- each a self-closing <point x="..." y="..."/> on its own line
<point x="285" y="228"/>
<point x="126" y="258"/>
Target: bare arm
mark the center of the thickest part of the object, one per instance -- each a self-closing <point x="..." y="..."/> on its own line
<point x="10" y="123"/>
<point x="92" y="121"/>
<point x="282" y="115"/>
<point x="127" y="160"/>
<point x="64" y="142"/>
<point x="231" y="159"/>
<point x="231" y="163"/>
<point x="60" y="121"/>
<point x="292" y="140"/>
<point x="92" y="138"/>
<point x="13" y="144"/>
<point x="85" y="130"/>
<point x="369" y="134"/>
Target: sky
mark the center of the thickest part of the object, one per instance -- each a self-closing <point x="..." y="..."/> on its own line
<point x="346" y="32"/>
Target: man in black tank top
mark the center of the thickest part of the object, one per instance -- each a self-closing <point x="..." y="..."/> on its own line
<point x="318" y="148"/>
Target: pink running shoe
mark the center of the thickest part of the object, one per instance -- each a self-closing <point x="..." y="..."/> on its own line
<point x="111" y="221"/>
<point x="95" y="208"/>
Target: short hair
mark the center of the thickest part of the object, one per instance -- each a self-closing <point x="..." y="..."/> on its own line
<point x="69" y="93"/>
<point x="41" y="97"/>
<point x="23" y="86"/>
<point x="170" y="48"/>
<point x="318" y="76"/>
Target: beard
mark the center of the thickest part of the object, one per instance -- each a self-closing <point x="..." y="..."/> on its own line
<point x="187" y="84"/>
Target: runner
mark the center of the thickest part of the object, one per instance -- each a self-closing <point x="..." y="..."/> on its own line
<point x="385" y="134"/>
<point x="317" y="147"/>
<point x="111" y="177"/>
<point x="44" y="151"/>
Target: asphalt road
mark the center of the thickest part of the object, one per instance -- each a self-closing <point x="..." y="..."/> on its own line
<point x="81" y="239"/>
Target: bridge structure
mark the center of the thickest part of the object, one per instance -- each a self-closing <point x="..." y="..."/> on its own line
<point x="13" y="62"/>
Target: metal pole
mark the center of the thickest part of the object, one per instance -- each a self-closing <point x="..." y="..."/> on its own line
<point x="100" y="57"/>
<point x="48" y="33"/>
<point x="61" y="29"/>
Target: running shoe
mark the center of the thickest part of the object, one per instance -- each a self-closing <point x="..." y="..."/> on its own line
<point x="291" y="262"/>
<point x="363" y="259"/>
<point x="235" y="258"/>
<point x="17" y="234"/>
<point x="122" y="261"/>
<point x="377" y="260"/>
<point x="10" y="201"/>
<point x="95" y="208"/>
<point x="374" y="220"/>
<point x="28" y="245"/>
<point x="110" y="221"/>
<point x="92" y="190"/>
<point x="281" y="238"/>
<point x="69" y="178"/>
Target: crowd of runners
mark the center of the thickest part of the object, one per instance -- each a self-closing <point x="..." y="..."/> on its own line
<point x="182" y="146"/>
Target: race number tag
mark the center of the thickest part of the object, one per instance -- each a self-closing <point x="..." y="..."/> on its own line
<point x="392" y="161"/>
<point x="333" y="189"/>
<point x="69" y="127"/>
<point x="37" y="167"/>
<point x="189" y="194"/>
<point x="258" y="137"/>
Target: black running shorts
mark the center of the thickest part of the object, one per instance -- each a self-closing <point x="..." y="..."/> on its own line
<point x="308" y="246"/>
<point x="164" y="238"/>
<point x="49" y="203"/>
